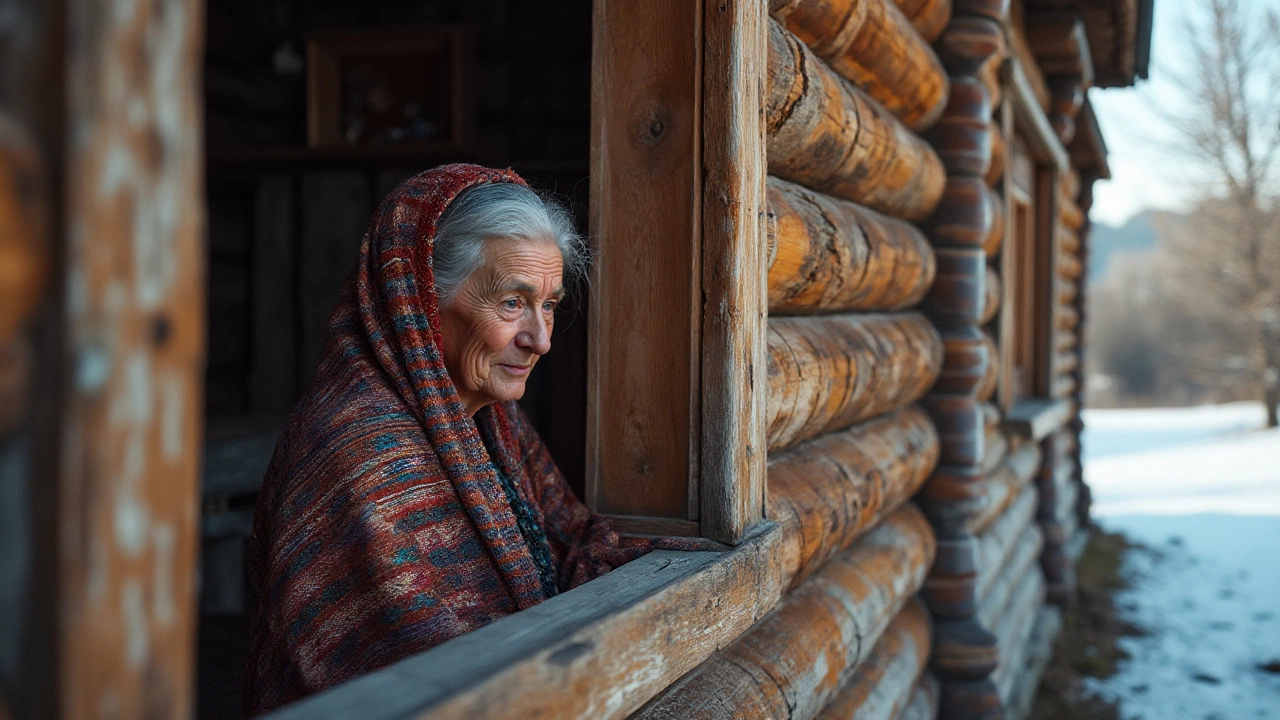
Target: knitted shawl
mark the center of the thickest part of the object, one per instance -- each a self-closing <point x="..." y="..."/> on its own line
<point x="383" y="527"/>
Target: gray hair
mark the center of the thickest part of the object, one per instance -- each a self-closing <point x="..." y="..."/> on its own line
<point x="500" y="210"/>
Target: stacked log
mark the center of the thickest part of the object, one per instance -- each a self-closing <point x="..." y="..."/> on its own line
<point x="809" y="647"/>
<point x="873" y="45"/>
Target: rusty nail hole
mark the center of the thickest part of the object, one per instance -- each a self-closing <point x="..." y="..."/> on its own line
<point x="161" y="329"/>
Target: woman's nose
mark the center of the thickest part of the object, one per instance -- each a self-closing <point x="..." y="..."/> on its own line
<point x="535" y="336"/>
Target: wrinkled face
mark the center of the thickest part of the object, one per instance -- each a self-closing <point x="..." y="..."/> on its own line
<point x="499" y="323"/>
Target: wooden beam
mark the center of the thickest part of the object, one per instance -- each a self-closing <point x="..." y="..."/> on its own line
<point x="997" y="542"/>
<point x="827" y="493"/>
<point x="1024" y="559"/>
<point x="599" y="651"/>
<point x="815" y="638"/>
<point x="827" y="254"/>
<point x="829" y="372"/>
<point x="1030" y="119"/>
<point x="826" y="134"/>
<point x="1005" y="483"/>
<point x="733" y="295"/>
<point x="873" y="45"/>
<point x="886" y="682"/>
<point x="1036" y="419"/>
<point x="645" y="314"/>
<point x="929" y="17"/>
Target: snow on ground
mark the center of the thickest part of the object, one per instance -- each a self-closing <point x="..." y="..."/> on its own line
<point x="1199" y="488"/>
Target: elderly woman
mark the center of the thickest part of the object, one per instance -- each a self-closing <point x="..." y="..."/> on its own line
<point x="409" y="500"/>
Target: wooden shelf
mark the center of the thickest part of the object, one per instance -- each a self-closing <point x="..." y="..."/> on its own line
<point x="1037" y="418"/>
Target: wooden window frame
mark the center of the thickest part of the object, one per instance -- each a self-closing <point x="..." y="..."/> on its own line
<point x="676" y="359"/>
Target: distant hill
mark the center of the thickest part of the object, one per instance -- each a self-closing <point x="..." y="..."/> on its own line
<point x="1135" y="236"/>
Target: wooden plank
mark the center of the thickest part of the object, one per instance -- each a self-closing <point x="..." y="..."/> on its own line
<point x="599" y="651"/>
<point x="733" y="295"/>
<point x="827" y="254"/>
<point x="873" y="45"/>
<point x="274" y="368"/>
<point x="1036" y="419"/>
<point x="1005" y="484"/>
<point x="1032" y="121"/>
<point x="644" y="318"/>
<point x="928" y="17"/>
<point x="1023" y="54"/>
<point x="129" y="413"/>
<point x="999" y="540"/>
<point x="1022" y="560"/>
<point x="829" y="372"/>
<point x="793" y="661"/>
<point x="827" y="493"/>
<point x="826" y="134"/>
<point x="886" y="682"/>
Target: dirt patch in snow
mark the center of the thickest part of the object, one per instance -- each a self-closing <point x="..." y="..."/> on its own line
<point x="1088" y="645"/>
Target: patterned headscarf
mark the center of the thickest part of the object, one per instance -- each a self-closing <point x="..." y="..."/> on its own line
<point x="383" y="527"/>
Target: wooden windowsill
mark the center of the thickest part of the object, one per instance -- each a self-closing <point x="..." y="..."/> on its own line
<point x="1037" y="418"/>
<point x="600" y="650"/>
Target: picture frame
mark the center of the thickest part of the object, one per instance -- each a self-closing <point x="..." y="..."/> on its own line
<point x="386" y="88"/>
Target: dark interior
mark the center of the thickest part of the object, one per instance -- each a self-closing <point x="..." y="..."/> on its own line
<point x="288" y="205"/>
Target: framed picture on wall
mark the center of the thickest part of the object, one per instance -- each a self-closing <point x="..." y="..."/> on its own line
<point x="386" y="87"/>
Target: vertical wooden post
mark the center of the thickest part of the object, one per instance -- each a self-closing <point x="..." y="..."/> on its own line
<point x="642" y="407"/>
<point x="110" y="589"/>
<point x="734" y="269"/>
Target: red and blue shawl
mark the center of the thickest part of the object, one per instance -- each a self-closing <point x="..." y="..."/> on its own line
<point x="383" y="527"/>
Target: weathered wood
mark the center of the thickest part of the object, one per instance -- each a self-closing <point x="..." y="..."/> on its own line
<point x="964" y="216"/>
<point x="924" y="700"/>
<point x="128" y="426"/>
<point x="1033" y="121"/>
<point x="987" y="388"/>
<point x="995" y="169"/>
<point x="827" y="373"/>
<point x="968" y="42"/>
<point x="1064" y="339"/>
<point x="995" y="448"/>
<point x="966" y="361"/>
<point x="1061" y="47"/>
<point x="645" y="313"/>
<point x="958" y="295"/>
<point x="734" y="303"/>
<point x="873" y="45"/>
<point x="1039" y="651"/>
<point x="828" y="492"/>
<point x="960" y="427"/>
<point x="1067" y="291"/>
<point x="929" y="17"/>
<point x="963" y="135"/>
<point x="826" y="134"/>
<point x="598" y="651"/>
<point x="995" y="238"/>
<point x="829" y="254"/>
<point x="991" y="303"/>
<point x="886" y="682"/>
<point x="1069" y="212"/>
<point x="1036" y="419"/>
<point x="1023" y="56"/>
<point x="795" y="659"/>
<point x="998" y="541"/>
<point x="989" y="74"/>
<point x="1015" y="629"/>
<point x="1066" y="317"/>
<point x="1005" y="484"/>
<point x="1023" y="560"/>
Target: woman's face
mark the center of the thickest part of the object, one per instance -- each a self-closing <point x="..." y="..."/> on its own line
<point x="499" y="323"/>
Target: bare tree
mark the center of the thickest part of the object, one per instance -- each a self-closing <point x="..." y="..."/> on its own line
<point x="1224" y="270"/>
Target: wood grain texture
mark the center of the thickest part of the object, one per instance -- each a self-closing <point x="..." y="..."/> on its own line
<point x="1005" y="484"/>
<point x="960" y="427"/>
<point x="874" y="46"/>
<point x="986" y="389"/>
<point x="828" y="135"/>
<point x="885" y="684"/>
<point x="959" y="293"/>
<point x="964" y="135"/>
<point x="928" y="17"/>
<point x="965" y="215"/>
<point x="828" y="254"/>
<point x="598" y="651"/>
<point x="995" y="169"/>
<point x="129" y="425"/>
<point x="995" y="238"/>
<point x="997" y="542"/>
<point x="1015" y="629"/>
<point x="1021" y="695"/>
<point x="792" y="662"/>
<point x="646" y="158"/>
<point x="829" y="372"/>
<point x="966" y="361"/>
<point x="924" y="700"/>
<point x="830" y="491"/>
<point x="734" y="268"/>
<point x="1024" y="559"/>
<point x="991" y="302"/>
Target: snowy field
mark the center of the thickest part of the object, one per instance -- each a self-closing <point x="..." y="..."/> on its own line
<point x="1199" y="488"/>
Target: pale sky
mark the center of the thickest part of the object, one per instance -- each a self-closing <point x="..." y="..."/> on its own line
<point x="1144" y="174"/>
